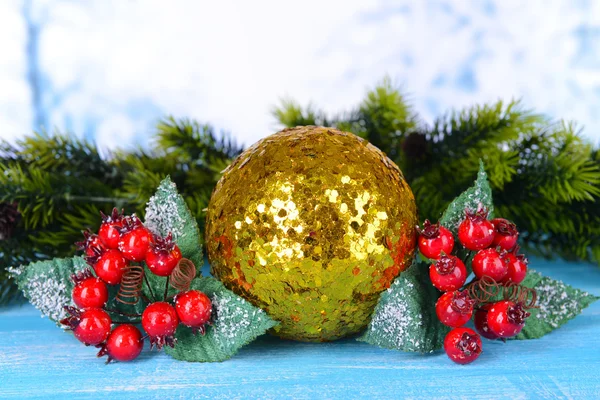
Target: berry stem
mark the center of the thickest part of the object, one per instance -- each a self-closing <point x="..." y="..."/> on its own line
<point x="166" y="289"/>
<point x="149" y="288"/>
<point x="145" y="298"/>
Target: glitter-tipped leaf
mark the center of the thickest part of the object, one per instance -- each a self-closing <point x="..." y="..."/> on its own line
<point x="479" y="193"/>
<point x="235" y="324"/>
<point x="405" y="318"/>
<point x="167" y="212"/>
<point x="47" y="284"/>
<point x="558" y="303"/>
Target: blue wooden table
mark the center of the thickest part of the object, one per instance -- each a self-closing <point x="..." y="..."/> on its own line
<point x="38" y="360"/>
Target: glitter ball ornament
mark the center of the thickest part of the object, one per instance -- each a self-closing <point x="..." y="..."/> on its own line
<point x="311" y="224"/>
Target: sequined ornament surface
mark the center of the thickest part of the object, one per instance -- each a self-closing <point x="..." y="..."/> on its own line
<point x="311" y="224"/>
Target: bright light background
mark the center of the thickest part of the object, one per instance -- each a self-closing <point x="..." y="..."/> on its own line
<point x="109" y="69"/>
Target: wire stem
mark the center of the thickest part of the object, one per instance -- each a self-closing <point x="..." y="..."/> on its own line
<point x="166" y="289"/>
<point x="149" y="288"/>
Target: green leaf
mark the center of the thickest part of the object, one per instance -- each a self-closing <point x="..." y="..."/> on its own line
<point x="479" y="193"/>
<point x="558" y="303"/>
<point x="47" y="284"/>
<point x="235" y="324"/>
<point x="154" y="285"/>
<point x="167" y="212"/>
<point x="405" y="318"/>
<point x="123" y="313"/>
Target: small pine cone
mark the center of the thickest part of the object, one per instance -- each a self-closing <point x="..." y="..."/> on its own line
<point x="9" y="218"/>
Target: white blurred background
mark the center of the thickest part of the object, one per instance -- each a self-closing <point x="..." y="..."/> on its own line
<point x="107" y="70"/>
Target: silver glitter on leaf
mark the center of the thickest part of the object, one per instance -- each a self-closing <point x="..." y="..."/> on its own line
<point x="558" y="303"/>
<point x="478" y="194"/>
<point x="405" y="318"/>
<point x="235" y="324"/>
<point x="167" y="212"/>
<point x="47" y="284"/>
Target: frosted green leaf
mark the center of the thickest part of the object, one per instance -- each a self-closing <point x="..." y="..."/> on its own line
<point x="167" y="212"/>
<point x="154" y="285"/>
<point x="479" y="193"/>
<point x="47" y="284"/>
<point x="118" y="311"/>
<point x="405" y="319"/>
<point x="558" y="303"/>
<point x="235" y="324"/>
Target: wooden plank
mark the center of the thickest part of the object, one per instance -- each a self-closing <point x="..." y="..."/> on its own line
<point x="38" y="360"/>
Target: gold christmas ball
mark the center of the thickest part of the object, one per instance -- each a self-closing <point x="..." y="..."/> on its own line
<point x="311" y="224"/>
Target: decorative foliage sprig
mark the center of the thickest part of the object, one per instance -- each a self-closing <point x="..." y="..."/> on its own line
<point x="405" y="317"/>
<point x="233" y="321"/>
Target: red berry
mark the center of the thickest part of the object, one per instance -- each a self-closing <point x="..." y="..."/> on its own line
<point x="110" y="267"/>
<point x="481" y="324"/>
<point x="489" y="262"/>
<point x="109" y="230"/>
<point x="163" y="256"/>
<point x="90" y="293"/>
<point x="160" y="321"/>
<point x="435" y="240"/>
<point x="90" y="326"/>
<point x="475" y="232"/>
<point x="125" y="343"/>
<point x="462" y="345"/>
<point x="448" y="273"/>
<point x="135" y="239"/>
<point x="506" y="318"/>
<point x="517" y="267"/>
<point x="454" y="309"/>
<point x="90" y="243"/>
<point x="505" y="234"/>
<point x="193" y="308"/>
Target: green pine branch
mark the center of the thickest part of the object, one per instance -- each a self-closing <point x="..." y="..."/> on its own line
<point x="544" y="176"/>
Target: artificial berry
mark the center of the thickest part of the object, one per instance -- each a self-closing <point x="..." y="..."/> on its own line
<point x="110" y="266"/>
<point x="193" y="309"/>
<point x="434" y="240"/>
<point x="91" y="326"/>
<point x="448" y="273"/>
<point x="90" y="292"/>
<point x="506" y="318"/>
<point x="481" y="323"/>
<point x="475" y="232"/>
<point x="160" y="321"/>
<point x="505" y="234"/>
<point x="462" y="345"/>
<point x="125" y="343"/>
<point x="489" y="263"/>
<point x="109" y="229"/>
<point x="162" y="256"/>
<point x="517" y="267"/>
<point x="135" y="239"/>
<point x="454" y="309"/>
<point x="91" y="244"/>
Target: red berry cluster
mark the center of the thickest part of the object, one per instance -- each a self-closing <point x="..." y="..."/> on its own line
<point x="495" y="242"/>
<point x="121" y="242"/>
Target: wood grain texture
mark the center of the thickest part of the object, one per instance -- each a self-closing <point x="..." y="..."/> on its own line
<point x="37" y="360"/>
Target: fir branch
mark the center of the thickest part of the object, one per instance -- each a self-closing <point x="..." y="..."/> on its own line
<point x="290" y="114"/>
<point x="544" y="176"/>
<point x="195" y="143"/>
